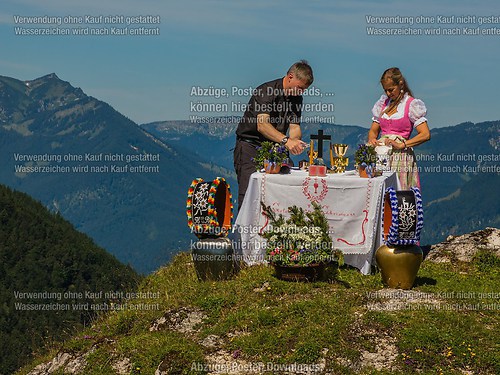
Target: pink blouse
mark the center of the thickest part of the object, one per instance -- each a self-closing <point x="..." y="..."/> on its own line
<point x="409" y="108"/>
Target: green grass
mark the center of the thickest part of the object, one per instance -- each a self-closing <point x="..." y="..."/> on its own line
<point x="260" y="319"/>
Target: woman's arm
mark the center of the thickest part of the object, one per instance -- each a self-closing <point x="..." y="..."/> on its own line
<point x="373" y="133"/>
<point x="424" y="134"/>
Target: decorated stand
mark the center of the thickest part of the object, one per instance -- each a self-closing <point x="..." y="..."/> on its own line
<point x="400" y="257"/>
<point x="209" y="212"/>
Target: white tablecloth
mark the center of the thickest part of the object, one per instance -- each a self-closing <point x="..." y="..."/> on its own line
<point x="352" y="205"/>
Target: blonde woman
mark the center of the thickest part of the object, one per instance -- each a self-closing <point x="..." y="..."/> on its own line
<point x="395" y="115"/>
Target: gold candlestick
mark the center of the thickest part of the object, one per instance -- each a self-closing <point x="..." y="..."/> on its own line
<point x="311" y="153"/>
<point x="332" y="161"/>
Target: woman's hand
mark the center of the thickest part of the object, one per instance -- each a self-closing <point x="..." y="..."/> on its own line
<point x="395" y="144"/>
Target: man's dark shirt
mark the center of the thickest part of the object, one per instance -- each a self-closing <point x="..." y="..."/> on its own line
<point x="269" y="99"/>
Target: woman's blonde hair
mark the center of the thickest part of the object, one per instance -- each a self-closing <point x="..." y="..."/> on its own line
<point x="396" y="77"/>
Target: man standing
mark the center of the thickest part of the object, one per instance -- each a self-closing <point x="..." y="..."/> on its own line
<point x="273" y="110"/>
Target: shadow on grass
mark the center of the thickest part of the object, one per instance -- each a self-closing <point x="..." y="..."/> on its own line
<point x="426" y="250"/>
<point x="332" y="273"/>
<point x="420" y="281"/>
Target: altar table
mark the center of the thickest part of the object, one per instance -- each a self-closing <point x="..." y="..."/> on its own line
<point x="352" y="205"/>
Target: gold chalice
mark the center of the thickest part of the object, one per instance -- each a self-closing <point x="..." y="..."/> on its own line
<point x="339" y="162"/>
<point x="340" y="149"/>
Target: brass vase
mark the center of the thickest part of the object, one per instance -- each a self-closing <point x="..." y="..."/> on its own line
<point x="213" y="258"/>
<point x="399" y="265"/>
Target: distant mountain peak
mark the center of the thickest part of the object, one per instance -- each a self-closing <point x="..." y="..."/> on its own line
<point x="50" y="79"/>
<point x="20" y="101"/>
<point x="47" y="77"/>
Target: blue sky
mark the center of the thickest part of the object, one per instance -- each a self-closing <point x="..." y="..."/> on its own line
<point x="226" y="44"/>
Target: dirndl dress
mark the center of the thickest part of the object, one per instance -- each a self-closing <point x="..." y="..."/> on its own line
<point x="402" y="162"/>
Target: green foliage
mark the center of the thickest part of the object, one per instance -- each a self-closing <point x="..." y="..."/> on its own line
<point x="213" y="304"/>
<point x="42" y="253"/>
<point x="302" y="239"/>
<point x="308" y="352"/>
<point x="486" y="261"/>
<point x="176" y="353"/>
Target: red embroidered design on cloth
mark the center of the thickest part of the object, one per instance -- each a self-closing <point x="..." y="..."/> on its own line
<point x="311" y="192"/>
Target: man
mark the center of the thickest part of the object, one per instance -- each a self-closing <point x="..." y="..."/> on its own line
<point x="273" y="110"/>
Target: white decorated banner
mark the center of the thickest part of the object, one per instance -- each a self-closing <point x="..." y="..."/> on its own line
<point x="351" y="204"/>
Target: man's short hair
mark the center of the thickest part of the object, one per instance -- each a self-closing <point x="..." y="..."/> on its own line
<point x="303" y="71"/>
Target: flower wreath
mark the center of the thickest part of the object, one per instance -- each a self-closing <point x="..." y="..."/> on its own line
<point x="401" y="216"/>
<point x="209" y="208"/>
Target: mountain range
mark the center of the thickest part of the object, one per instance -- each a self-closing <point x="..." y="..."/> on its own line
<point x="111" y="179"/>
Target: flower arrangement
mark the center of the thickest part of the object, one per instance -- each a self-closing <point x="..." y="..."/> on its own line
<point x="270" y="152"/>
<point x="365" y="154"/>
<point x="300" y="240"/>
<point x="366" y="157"/>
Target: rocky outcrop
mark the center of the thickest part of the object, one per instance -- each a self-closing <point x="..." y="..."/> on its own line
<point x="68" y="362"/>
<point x="465" y="247"/>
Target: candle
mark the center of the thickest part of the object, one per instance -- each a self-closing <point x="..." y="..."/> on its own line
<point x="331" y="157"/>
<point x="311" y="153"/>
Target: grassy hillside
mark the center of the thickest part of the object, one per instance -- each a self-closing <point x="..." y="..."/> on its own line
<point x="49" y="272"/>
<point x="255" y="323"/>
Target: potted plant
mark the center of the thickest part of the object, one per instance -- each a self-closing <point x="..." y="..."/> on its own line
<point x="270" y="156"/>
<point x="300" y="246"/>
<point x="365" y="159"/>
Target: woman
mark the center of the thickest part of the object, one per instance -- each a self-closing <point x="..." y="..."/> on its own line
<point x="395" y="115"/>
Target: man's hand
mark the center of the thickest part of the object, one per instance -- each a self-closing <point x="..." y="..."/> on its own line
<point x="296" y="146"/>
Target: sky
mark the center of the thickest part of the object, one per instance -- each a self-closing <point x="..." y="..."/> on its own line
<point x="204" y="57"/>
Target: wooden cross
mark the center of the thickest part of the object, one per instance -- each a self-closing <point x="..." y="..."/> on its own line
<point x="321" y="137"/>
